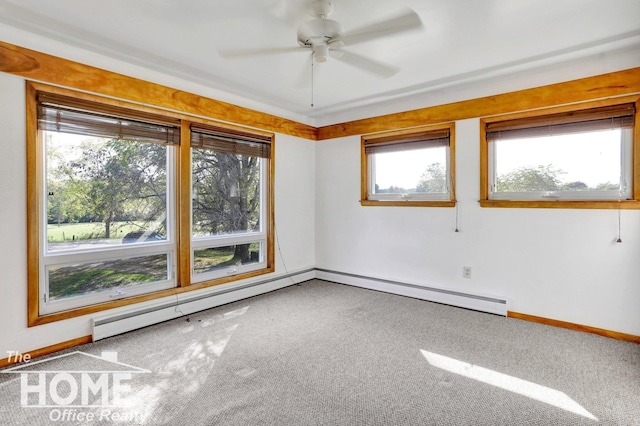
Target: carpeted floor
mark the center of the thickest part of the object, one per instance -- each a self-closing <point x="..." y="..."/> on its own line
<point x="327" y="354"/>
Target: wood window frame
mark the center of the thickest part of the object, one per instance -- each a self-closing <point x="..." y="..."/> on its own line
<point x="633" y="203"/>
<point x="224" y="141"/>
<point x="403" y="136"/>
<point x="35" y="175"/>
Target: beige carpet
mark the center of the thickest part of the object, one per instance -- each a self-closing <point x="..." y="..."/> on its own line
<point x="327" y="354"/>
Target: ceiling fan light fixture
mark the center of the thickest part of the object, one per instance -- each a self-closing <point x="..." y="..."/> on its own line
<point x="321" y="52"/>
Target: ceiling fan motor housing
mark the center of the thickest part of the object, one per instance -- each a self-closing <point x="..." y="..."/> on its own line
<point x="320" y="32"/>
<point x="319" y="29"/>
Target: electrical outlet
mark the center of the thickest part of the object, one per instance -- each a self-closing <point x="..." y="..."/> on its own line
<point x="466" y="271"/>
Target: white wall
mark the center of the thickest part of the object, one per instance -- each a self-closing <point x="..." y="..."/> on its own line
<point x="555" y="263"/>
<point x="560" y="264"/>
<point x="294" y="204"/>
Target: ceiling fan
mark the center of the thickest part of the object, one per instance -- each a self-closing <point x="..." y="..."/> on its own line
<point x="326" y="38"/>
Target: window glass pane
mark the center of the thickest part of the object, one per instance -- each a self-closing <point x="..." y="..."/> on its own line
<point x="414" y="171"/>
<point x="226" y="193"/>
<point x="574" y="162"/>
<point x="97" y="276"/>
<point x="216" y="258"/>
<point x="104" y="192"/>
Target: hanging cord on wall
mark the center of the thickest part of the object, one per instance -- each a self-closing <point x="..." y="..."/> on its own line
<point x="450" y="184"/>
<point x="619" y="240"/>
<point x="457" y="230"/>
<point x="284" y="265"/>
<point x="177" y="307"/>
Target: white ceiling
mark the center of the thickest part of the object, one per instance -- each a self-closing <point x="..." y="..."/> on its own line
<point x="461" y="41"/>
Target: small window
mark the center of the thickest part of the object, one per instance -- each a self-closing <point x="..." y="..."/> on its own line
<point x="409" y="168"/>
<point x="573" y="156"/>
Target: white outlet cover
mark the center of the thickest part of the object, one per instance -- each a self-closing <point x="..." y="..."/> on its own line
<point x="466" y="272"/>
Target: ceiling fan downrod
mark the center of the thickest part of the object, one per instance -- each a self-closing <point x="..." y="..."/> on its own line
<point x="321" y="9"/>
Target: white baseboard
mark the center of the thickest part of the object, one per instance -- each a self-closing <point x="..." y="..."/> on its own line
<point x="108" y="325"/>
<point x="476" y="302"/>
<point x="186" y="303"/>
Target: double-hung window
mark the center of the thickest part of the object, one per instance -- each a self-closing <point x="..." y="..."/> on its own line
<point x="107" y="226"/>
<point x="577" y="155"/>
<point x="230" y="175"/>
<point x="409" y="168"/>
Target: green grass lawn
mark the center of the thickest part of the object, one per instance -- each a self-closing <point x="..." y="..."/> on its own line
<point x="89" y="231"/>
<point x="75" y="280"/>
<point x="205" y="260"/>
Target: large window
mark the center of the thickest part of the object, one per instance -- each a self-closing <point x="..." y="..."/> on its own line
<point x="409" y="168"/>
<point x="109" y="207"/>
<point x="579" y="155"/>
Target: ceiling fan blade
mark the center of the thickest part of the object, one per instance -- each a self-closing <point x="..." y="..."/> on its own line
<point x="239" y="53"/>
<point x="405" y="20"/>
<point x="367" y="64"/>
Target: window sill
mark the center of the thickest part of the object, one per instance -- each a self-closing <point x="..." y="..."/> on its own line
<point x="408" y="203"/>
<point x="562" y="204"/>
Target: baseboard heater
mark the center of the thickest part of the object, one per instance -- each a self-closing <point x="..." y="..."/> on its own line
<point x="185" y="304"/>
<point x="476" y="302"/>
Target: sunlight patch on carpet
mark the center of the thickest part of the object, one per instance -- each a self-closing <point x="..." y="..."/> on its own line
<point x="183" y="374"/>
<point x="512" y="384"/>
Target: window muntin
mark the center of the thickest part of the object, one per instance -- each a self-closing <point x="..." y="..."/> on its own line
<point x="582" y="155"/>
<point x="409" y="166"/>
<point x="228" y="199"/>
<point x="107" y="200"/>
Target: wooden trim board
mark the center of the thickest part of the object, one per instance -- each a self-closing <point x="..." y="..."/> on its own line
<point x="50" y="349"/>
<point x="576" y="327"/>
<point x="41" y="67"/>
<point x="51" y="69"/>
<point x="586" y="89"/>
